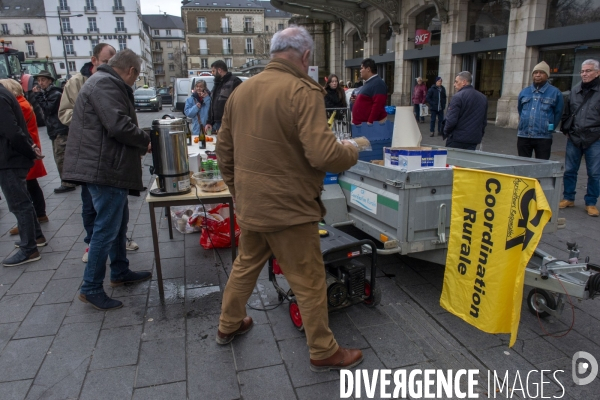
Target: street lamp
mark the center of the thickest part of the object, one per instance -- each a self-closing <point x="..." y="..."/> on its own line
<point x="62" y="38"/>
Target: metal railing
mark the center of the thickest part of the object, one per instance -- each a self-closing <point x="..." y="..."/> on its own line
<point x="91" y="9"/>
<point x="72" y="53"/>
<point x="96" y="30"/>
<point x="64" y="10"/>
<point x="70" y="30"/>
<point x="122" y="30"/>
<point x="31" y="55"/>
<point x="201" y="29"/>
<point x="118" y="9"/>
<point x="225" y="30"/>
<point x="227" y="51"/>
<point x="5" y="32"/>
<point x="249" y="51"/>
<point x="28" y="32"/>
<point x="157" y="50"/>
<point x="204" y="51"/>
<point x="248" y="30"/>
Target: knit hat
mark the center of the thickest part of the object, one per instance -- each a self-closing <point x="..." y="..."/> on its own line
<point x="439" y="78"/>
<point x="542" y="67"/>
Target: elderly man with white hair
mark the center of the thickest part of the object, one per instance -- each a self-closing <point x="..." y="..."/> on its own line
<point x="581" y="124"/>
<point x="274" y="147"/>
<point x="103" y="151"/>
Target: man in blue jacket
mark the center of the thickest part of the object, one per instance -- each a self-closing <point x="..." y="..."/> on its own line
<point x="467" y="115"/>
<point x="540" y="109"/>
<point x="436" y="98"/>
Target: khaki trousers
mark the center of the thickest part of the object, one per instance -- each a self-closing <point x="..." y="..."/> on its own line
<point x="58" y="148"/>
<point x="298" y="252"/>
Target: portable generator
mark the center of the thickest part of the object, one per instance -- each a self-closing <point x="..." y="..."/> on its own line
<point x="346" y="260"/>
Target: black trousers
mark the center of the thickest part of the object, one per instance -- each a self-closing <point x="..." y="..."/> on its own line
<point x="460" y="145"/>
<point x="542" y="147"/>
<point x="37" y="197"/>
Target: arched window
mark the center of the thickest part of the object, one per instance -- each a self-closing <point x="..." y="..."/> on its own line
<point x="386" y="39"/>
<point x="428" y="20"/>
<point x="357" y="46"/>
<point x="488" y="18"/>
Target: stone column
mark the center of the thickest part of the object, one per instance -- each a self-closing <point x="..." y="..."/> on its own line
<point x="319" y="30"/>
<point x="336" y="63"/>
<point x="520" y="59"/>
<point x="452" y="32"/>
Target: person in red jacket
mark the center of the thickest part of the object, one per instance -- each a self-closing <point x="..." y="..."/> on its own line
<point x="369" y="104"/>
<point x="38" y="170"/>
<point x="418" y="98"/>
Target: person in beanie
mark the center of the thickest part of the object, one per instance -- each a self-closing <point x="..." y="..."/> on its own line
<point x="540" y="108"/>
<point x="583" y="135"/>
<point x="436" y="98"/>
<point x="49" y="99"/>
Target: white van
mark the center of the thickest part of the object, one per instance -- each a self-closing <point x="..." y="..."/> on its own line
<point x="181" y="92"/>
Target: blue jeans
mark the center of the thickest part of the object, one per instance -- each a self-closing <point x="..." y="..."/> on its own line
<point x="572" y="164"/>
<point x="440" y="117"/>
<point x="109" y="237"/>
<point x="18" y="200"/>
<point x="88" y="213"/>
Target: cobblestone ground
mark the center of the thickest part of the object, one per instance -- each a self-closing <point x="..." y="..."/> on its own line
<point x="52" y="346"/>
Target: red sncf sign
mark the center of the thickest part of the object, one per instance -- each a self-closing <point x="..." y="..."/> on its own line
<point x="422" y="36"/>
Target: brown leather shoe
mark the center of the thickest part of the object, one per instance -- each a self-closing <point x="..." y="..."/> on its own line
<point x="15" y="230"/>
<point x="223" y="338"/>
<point x="341" y="359"/>
<point x="566" y="203"/>
<point x="592" y="211"/>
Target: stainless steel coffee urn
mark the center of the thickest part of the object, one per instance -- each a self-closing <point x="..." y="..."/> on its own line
<point x="170" y="156"/>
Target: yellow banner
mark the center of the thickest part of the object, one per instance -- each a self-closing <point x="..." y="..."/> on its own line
<point x="496" y="224"/>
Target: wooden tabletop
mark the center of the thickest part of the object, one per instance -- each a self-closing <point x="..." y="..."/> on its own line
<point x="194" y="194"/>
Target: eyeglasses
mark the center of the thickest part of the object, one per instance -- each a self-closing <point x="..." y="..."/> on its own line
<point x="587" y="71"/>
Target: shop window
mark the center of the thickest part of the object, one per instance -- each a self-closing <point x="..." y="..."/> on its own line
<point x="571" y="12"/>
<point x="357" y="46"/>
<point x="386" y="39"/>
<point x="488" y="18"/>
<point x="565" y="63"/>
<point x="429" y="21"/>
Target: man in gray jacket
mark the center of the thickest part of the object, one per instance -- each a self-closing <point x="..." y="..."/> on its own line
<point x="583" y="137"/>
<point x="103" y="150"/>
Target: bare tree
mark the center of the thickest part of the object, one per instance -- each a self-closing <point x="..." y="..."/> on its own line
<point x="180" y="62"/>
<point x="262" y="48"/>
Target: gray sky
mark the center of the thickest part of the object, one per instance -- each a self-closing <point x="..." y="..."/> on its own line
<point x="172" y="7"/>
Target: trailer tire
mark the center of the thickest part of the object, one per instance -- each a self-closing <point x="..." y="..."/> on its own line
<point x="537" y="296"/>
<point x="295" y="315"/>
<point x="376" y="295"/>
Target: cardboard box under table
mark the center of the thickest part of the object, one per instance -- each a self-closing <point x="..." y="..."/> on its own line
<point x="192" y="198"/>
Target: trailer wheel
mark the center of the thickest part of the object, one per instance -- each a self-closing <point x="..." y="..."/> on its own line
<point x="537" y="297"/>
<point x="295" y="315"/>
<point x="376" y="299"/>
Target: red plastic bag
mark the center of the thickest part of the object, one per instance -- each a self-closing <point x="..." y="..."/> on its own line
<point x="215" y="229"/>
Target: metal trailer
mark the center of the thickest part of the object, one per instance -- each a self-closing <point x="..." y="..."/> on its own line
<point x="413" y="217"/>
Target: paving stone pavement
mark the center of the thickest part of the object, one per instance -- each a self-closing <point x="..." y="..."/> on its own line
<point x="52" y="346"/>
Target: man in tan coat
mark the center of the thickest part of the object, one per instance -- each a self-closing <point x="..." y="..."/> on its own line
<point x="273" y="148"/>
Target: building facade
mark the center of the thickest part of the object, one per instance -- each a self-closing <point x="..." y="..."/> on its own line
<point x="169" y="51"/>
<point x="238" y="33"/>
<point x="23" y="27"/>
<point x="498" y="41"/>
<point x="85" y="23"/>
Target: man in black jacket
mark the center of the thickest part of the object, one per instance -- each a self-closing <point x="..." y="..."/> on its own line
<point x="225" y="83"/>
<point x="103" y="150"/>
<point x="436" y="98"/>
<point x="467" y="115"/>
<point x="583" y="137"/>
<point x="49" y="99"/>
<point x="17" y="152"/>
